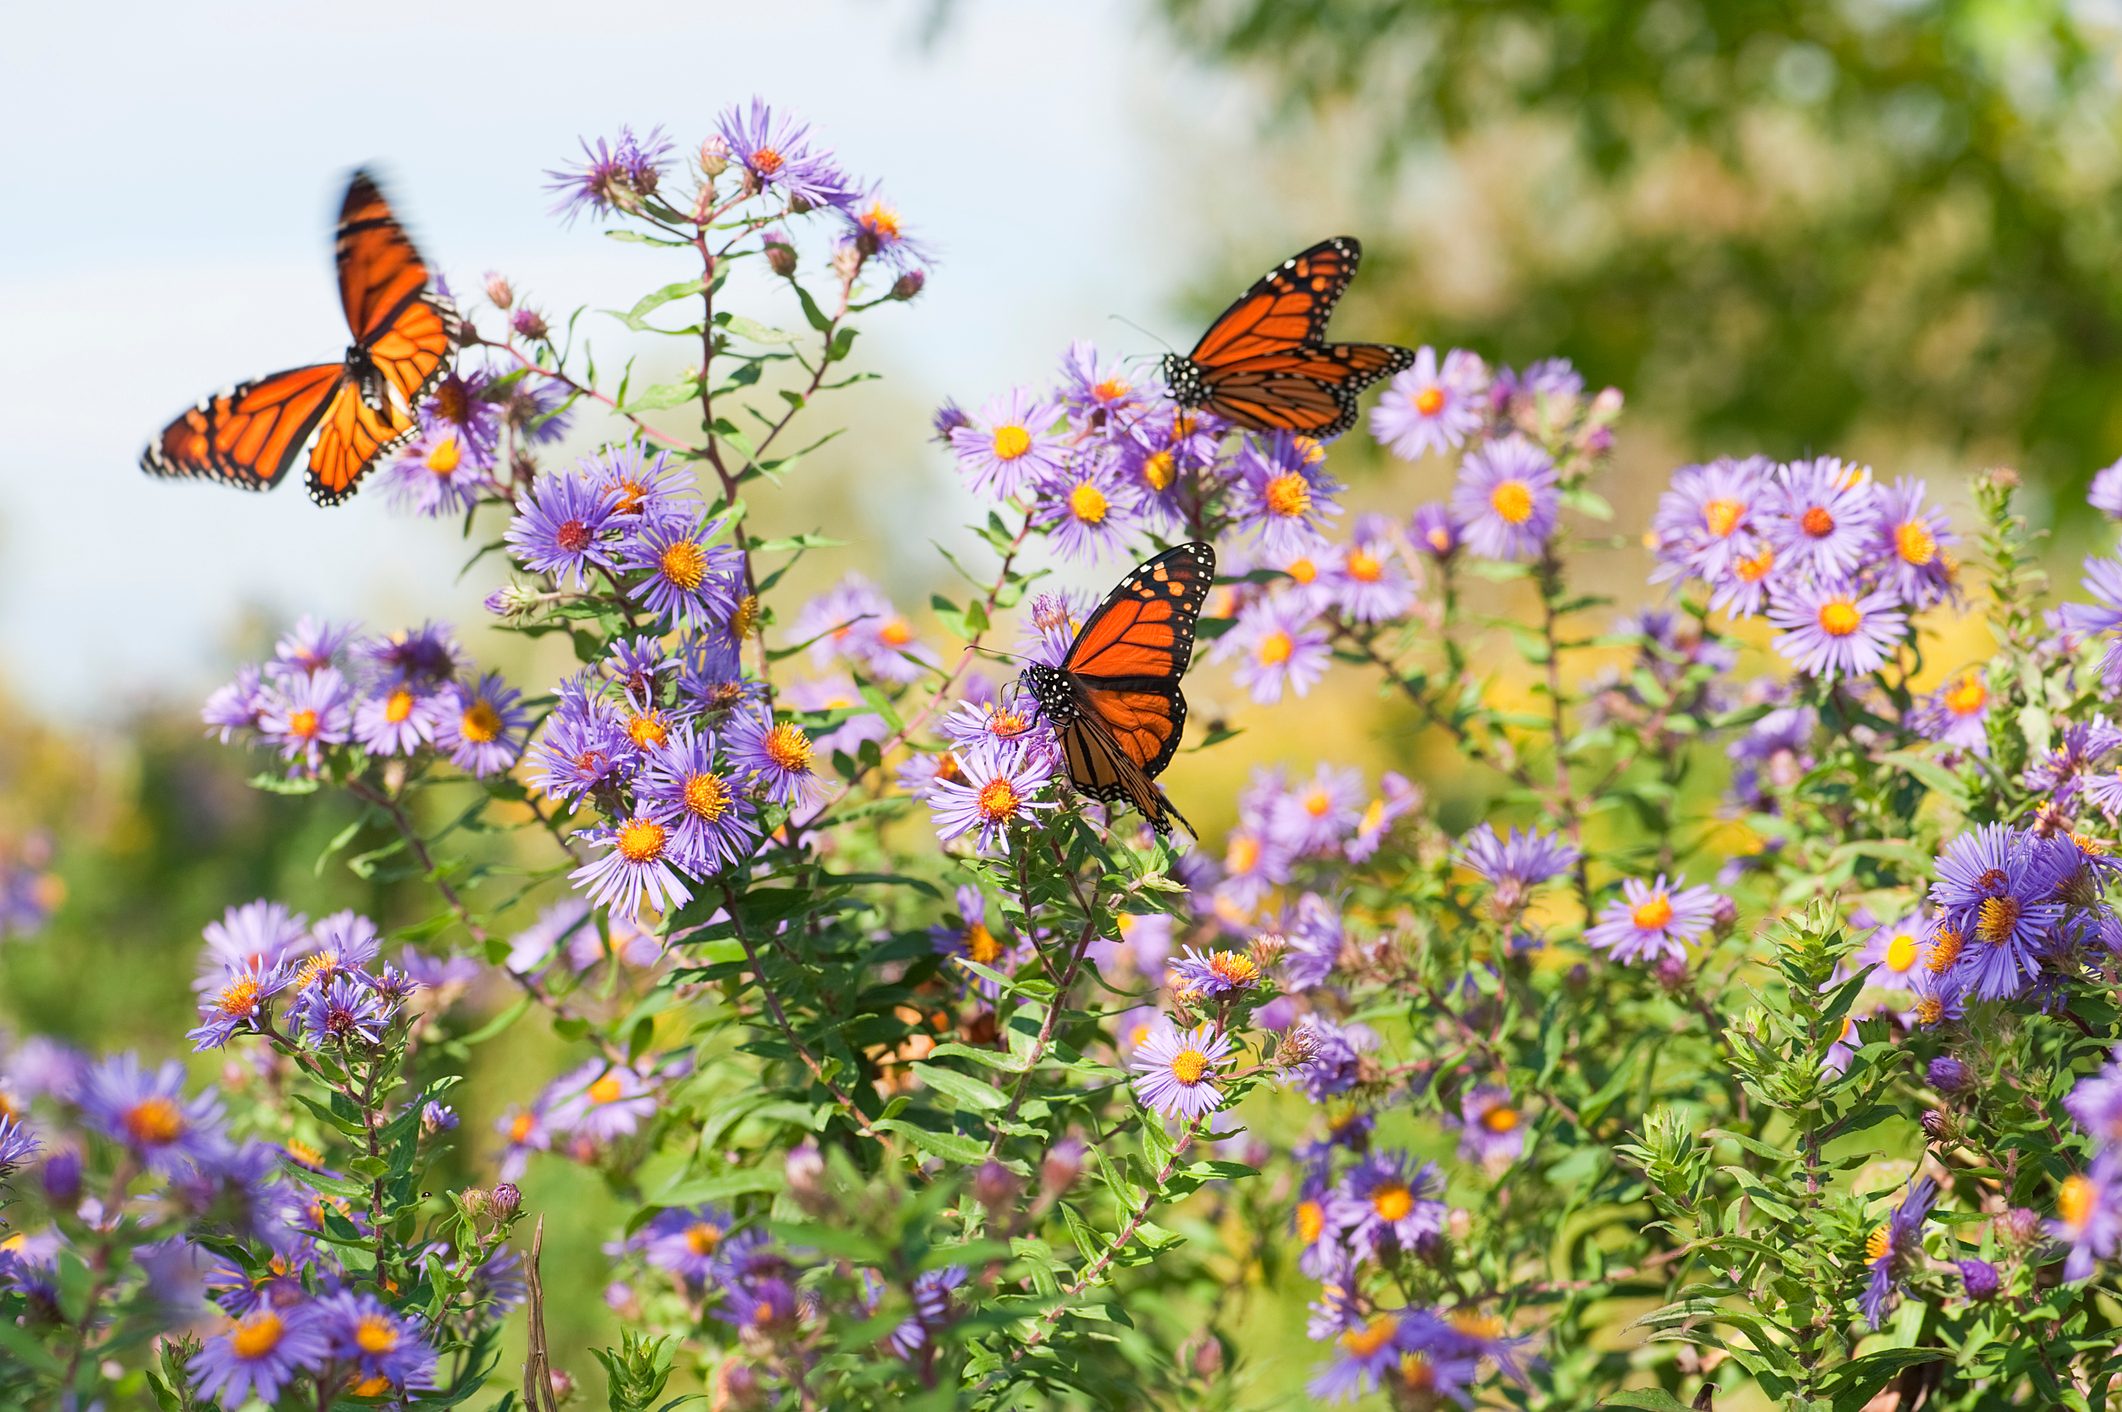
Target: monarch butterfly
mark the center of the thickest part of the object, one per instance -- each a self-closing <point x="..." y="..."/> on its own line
<point x="358" y="409"/>
<point x="1114" y="700"/>
<point x="1265" y="363"/>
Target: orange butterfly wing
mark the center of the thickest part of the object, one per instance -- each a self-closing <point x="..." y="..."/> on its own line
<point x="353" y="436"/>
<point x="379" y="270"/>
<point x="1311" y="390"/>
<point x="1290" y="304"/>
<point x="249" y="435"/>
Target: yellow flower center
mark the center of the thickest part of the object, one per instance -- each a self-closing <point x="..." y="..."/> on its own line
<point x="1944" y="950"/>
<point x="1011" y="441"/>
<point x="155" y="1121"/>
<point x="1900" y="953"/>
<point x="1721" y="517"/>
<point x="1392" y="1201"/>
<point x="1818" y="521"/>
<point x="302" y="724"/>
<point x="369" y="1387"/>
<point x="706" y="796"/>
<point x="1653" y="912"/>
<point x="1752" y="568"/>
<point x="684" y="564"/>
<point x="1429" y="401"/>
<point x="520" y="1127"/>
<point x="788" y="747"/>
<point x="1878" y="1243"/>
<point x="1915" y="543"/>
<point x="1929" y="1011"/>
<point x="1839" y="617"/>
<point x="2074" y="1203"/>
<point x="641" y="840"/>
<point x="1274" y="648"/>
<point x="1243" y="854"/>
<point x="1087" y="503"/>
<point x="766" y="161"/>
<point x="480" y="723"/>
<point x="443" y="456"/>
<point x="1233" y="968"/>
<point x="1364" y="566"/>
<point x="1311" y="1221"/>
<point x="1419" y="1374"/>
<point x="1189" y="1066"/>
<point x="1967" y="695"/>
<point x="980" y="944"/>
<point x="1288" y="495"/>
<point x="999" y="801"/>
<point x="1112" y="390"/>
<point x="745" y="621"/>
<point x="1317" y="803"/>
<point x="376" y="1334"/>
<point x="882" y="221"/>
<point x="701" y="1238"/>
<point x="1500" y="1119"/>
<point x="1513" y="500"/>
<point x="605" y="1090"/>
<point x="1997" y="919"/>
<point x="1159" y="470"/>
<point x="1476" y="1325"/>
<point x="238" y="998"/>
<point x="1366" y="1341"/>
<point x="399" y="706"/>
<point x="1301" y="570"/>
<point x="257" y="1335"/>
<point x="895" y="633"/>
<point x="649" y="729"/>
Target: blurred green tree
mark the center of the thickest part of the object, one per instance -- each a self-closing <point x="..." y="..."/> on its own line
<point x="1777" y="224"/>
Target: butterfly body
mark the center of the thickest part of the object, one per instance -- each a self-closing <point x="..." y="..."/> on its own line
<point x="1265" y="363"/>
<point x="350" y="413"/>
<point x="1114" y="702"/>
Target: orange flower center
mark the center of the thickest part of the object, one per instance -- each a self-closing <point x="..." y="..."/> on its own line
<point x="481" y="723"/>
<point x="1513" y="500"/>
<point x="1753" y="568"/>
<point x="1011" y="441"/>
<point x="1366" y="1341"/>
<point x="1500" y="1119"/>
<point x="1364" y="567"/>
<point x="1944" y="950"/>
<point x="1392" y="1201"/>
<point x="1288" y="495"/>
<point x="1997" y="919"/>
<point x="1653" y="912"/>
<point x="788" y="747"/>
<point x="702" y="1238"/>
<point x="1839" y="617"/>
<point x="684" y="564"/>
<point x="1967" y="695"/>
<point x="1915" y="543"/>
<point x="1429" y="401"/>
<point x="706" y="796"/>
<point x="1159" y="470"/>
<point x="302" y="724"/>
<point x="895" y="633"/>
<point x="238" y="998"/>
<point x="257" y="1335"/>
<point x="649" y="729"/>
<point x="2074" y="1203"/>
<point x="398" y="707"/>
<point x="155" y="1121"/>
<point x="1274" y="648"/>
<point x="1311" y="1221"/>
<point x="999" y="800"/>
<point x="641" y="840"/>
<point x="1721" y="517"/>
<point x="766" y="161"/>
<point x="1878" y="1243"/>
<point x="376" y="1334"/>
<point x="1189" y="1066"/>
<point x="606" y="1090"/>
<point x="1818" y="521"/>
<point x="1243" y="854"/>
<point x="980" y="944"/>
<point x="443" y="456"/>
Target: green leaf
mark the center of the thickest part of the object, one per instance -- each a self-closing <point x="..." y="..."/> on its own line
<point x="1647" y="1400"/>
<point x="636" y="318"/>
<point x="951" y="1147"/>
<point x="968" y="1091"/>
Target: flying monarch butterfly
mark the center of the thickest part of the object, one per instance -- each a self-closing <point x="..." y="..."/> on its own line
<point x="358" y="409"/>
<point x="1265" y="364"/>
<point x="1114" y="700"/>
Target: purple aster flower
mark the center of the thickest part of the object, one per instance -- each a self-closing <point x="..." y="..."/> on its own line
<point x="313" y="644"/>
<point x="1087" y="510"/>
<point x="345" y="941"/>
<point x="1210" y="975"/>
<point x="1313" y="931"/>
<point x="2061" y="773"/>
<point x="1893" y="1248"/>
<point x="712" y="822"/>
<point x="638" y="873"/>
<point x="684" y="1240"/>
<point x="1996" y="890"/>
<point x="777" y="155"/>
<point x="972" y="939"/>
<point x="1506" y="500"/>
<point x="1382" y="1205"/>
<point x="1370" y="584"/>
<point x="421" y="658"/>
<point x="1430" y="407"/>
<point x="1912" y="546"/>
<point x="1956" y="715"/>
<point x="933" y="1310"/>
<point x="999" y="784"/>
<point x="1254" y="863"/>
<point x="1894" y="952"/>
<point x="559" y="528"/>
<point x="1397" y="797"/>
<point x="460" y="405"/>
<point x="437" y="474"/>
<point x="259" y="1354"/>
<point x="481" y="727"/>
<point x="1336" y="1065"/>
<point x="877" y="231"/>
<point x="534" y="407"/>
<point x="2106" y="492"/>
<point x="381" y="1345"/>
<point x="1093" y="388"/>
<point x="1752" y="573"/>
<point x="240" y="1002"/>
<point x="612" y="176"/>
<point x="304" y="714"/>
<point x="1434" y="528"/>
<point x="396" y="721"/>
<point x="1282" y="495"/>
<point x="1831" y="629"/>
<point x="2096" y="1103"/>
<point x="1392" y="1348"/>
<point x="1979" y="1279"/>
<point x="1710" y="512"/>
<point x="149" y="1114"/>
<point x="1318" y="817"/>
<point x="236" y="707"/>
<point x="654" y="489"/>
<point x="1949" y="1075"/>
<point x="525" y="1131"/>
<point x="1940" y="991"/>
<point x="345" y="1010"/>
<point x="2089" y="1215"/>
<point x="1491" y="1129"/>
<point x="1552" y="378"/>
<point x="1051" y="626"/>
<point x="778" y="756"/>
<point x="687" y="580"/>
<point x="257" y="935"/>
<point x="1011" y="445"/>
<point x="856" y="622"/>
<point x="978" y="722"/>
<point x="1822" y="516"/>
<point x="1176" y="1070"/>
<point x="1515" y="865"/>
<point x="1280" y="646"/>
<point x="602" y="1102"/>
<point x="583" y="745"/>
<point x="17" y="1145"/>
<point x="1652" y="920"/>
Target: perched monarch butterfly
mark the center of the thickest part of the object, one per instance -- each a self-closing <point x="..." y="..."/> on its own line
<point x="358" y="409"/>
<point x="1265" y="363"/>
<point x="1114" y="700"/>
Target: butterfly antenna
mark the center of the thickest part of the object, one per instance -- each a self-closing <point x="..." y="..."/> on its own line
<point x="1152" y="337"/>
<point x="971" y="648"/>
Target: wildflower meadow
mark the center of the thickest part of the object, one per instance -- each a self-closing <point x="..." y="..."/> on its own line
<point x="1752" y="1044"/>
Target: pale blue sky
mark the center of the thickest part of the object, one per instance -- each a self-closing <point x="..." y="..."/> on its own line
<point x="171" y="170"/>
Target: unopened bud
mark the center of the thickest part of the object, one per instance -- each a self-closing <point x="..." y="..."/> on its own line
<point x="1063" y="1164"/>
<point x="1723" y="914"/>
<point x="2003" y="478"/>
<point x="499" y="292"/>
<point x="714" y="156"/>
<point x="1937" y="1124"/>
<point x="512" y="601"/>
<point x="506" y="1202"/>
<point x="62" y="1177"/>
<point x="1299" y="1046"/>
<point x="564" y="1386"/>
<point x="909" y="284"/>
<point x="1203" y="1355"/>
<point x="531" y="324"/>
<point x="476" y="1200"/>
<point x="1949" y="1075"/>
<point x="780" y="252"/>
<point x="995" y="1186"/>
<point x="805" y="1167"/>
<point x="1267" y="948"/>
<point x="847" y="262"/>
<point x="1671" y="972"/>
<point x="2019" y="1226"/>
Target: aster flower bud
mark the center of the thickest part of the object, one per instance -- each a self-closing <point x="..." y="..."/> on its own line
<point x="948" y="418"/>
<point x="2003" y="478"/>
<point x="805" y="1167"/>
<point x="847" y="262"/>
<point x="1203" y="1355"/>
<point x="507" y="1200"/>
<point x="476" y="1200"/>
<point x="564" y="1386"/>
<point x="1267" y="948"/>
<point x="530" y="324"/>
<point x="1937" y="1124"/>
<point x="780" y="252"/>
<point x="499" y="292"/>
<point x="1723" y="915"/>
<point x="736" y="1386"/>
<point x="995" y="1187"/>
<point x="909" y="284"/>
<point x="714" y="156"/>
<point x="513" y="601"/>
<point x="1671" y="972"/>
<point x="62" y="1177"/>
<point x="1299" y="1046"/>
<point x="2019" y="1226"/>
<point x="1979" y="1278"/>
<point x="1063" y="1164"/>
<point x="1949" y="1075"/>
